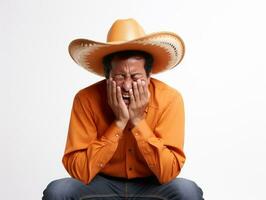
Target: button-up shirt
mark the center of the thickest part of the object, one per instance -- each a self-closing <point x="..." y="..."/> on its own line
<point x="95" y="144"/>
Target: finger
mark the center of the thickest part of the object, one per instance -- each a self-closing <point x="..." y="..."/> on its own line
<point x="136" y="92"/>
<point x="119" y="96"/>
<point x="145" y="89"/>
<point x="132" y="98"/>
<point x="113" y="94"/>
<point x="140" y="89"/>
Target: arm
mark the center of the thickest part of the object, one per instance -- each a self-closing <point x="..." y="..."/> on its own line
<point x="85" y="154"/>
<point x="163" y="148"/>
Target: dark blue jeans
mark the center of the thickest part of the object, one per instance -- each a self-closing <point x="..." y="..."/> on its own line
<point x="105" y="187"/>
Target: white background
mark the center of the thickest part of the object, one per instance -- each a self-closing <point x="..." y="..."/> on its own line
<point x="222" y="79"/>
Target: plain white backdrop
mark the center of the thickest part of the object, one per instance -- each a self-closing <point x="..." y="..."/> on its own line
<point x="222" y="79"/>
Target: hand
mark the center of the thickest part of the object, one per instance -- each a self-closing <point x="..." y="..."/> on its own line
<point x="115" y="101"/>
<point x="139" y="99"/>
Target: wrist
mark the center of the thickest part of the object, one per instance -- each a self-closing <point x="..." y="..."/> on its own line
<point x="121" y="124"/>
<point x="135" y="121"/>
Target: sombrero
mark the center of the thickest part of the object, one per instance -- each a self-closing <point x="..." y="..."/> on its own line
<point x="166" y="48"/>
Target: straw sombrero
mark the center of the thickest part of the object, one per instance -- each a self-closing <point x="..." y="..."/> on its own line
<point x="166" y="48"/>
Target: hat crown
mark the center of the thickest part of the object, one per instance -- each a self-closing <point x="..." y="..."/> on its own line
<point x="124" y="30"/>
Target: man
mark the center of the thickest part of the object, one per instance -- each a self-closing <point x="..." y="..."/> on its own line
<point x="126" y="133"/>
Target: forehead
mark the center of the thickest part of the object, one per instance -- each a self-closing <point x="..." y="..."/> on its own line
<point x="132" y="62"/>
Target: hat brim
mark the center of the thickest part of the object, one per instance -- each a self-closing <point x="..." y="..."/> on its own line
<point x="166" y="48"/>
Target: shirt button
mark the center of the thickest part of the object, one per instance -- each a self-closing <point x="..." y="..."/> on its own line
<point x="130" y="150"/>
<point x="101" y="165"/>
<point x="130" y="168"/>
<point x="116" y="135"/>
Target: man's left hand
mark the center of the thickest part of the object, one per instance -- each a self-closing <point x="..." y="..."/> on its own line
<point x="139" y="99"/>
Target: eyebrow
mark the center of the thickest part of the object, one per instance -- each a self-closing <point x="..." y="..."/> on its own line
<point x="133" y="74"/>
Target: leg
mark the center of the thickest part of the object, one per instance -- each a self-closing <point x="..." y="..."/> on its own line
<point x="72" y="189"/>
<point x="178" y="189"/>
<point x="65" y="188"/>
<point x="182" y="189"/>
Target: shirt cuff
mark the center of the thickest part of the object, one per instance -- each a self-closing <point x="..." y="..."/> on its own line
<point x="142" y="131"/>
<point x="113" y="133"/>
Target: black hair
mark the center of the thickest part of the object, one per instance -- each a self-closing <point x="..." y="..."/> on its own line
<point x="124" y="55"/>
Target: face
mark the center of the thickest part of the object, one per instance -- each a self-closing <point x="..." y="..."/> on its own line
<point x="126" y="71"/>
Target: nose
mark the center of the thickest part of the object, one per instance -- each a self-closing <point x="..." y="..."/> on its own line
<point x="127" y="84"/>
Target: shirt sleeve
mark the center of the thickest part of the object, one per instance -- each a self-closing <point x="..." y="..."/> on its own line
<point x="162" y="148"/>
<point x="86" y="154"/>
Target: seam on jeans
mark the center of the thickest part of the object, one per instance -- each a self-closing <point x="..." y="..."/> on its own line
<point x="126" y="196"/>
<point x="97" y="195"/>
<point x="147" y="195"/>
<point x="126" y="191"/>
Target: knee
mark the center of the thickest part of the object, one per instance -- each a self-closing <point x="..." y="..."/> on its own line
<point x="187" y="189"/>
<point x="61" y="189"/>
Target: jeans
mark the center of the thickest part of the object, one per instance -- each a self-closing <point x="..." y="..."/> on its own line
<point x="111" y="188"/>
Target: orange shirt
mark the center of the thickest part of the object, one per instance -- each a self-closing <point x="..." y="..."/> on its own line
<point x="154" y="147"/>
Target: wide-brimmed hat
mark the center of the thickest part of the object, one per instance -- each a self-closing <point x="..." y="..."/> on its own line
<point x="166" y="48"/>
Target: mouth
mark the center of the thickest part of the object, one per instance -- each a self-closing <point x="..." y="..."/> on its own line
<point x="126" y="98"/>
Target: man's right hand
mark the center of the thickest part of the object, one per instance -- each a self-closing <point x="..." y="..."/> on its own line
<point x="115" y="101"/>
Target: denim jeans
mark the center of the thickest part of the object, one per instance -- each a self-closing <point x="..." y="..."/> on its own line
<point x="105" y="187"/>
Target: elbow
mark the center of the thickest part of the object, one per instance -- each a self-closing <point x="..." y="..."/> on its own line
<point x="170" y="173"/>
<point x="74" y="170"/>
<point x="168" y="178"/>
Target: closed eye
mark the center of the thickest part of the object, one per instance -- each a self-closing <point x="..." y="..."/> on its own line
<point x="137" y="76"/>
<point x="119" y="77"/>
